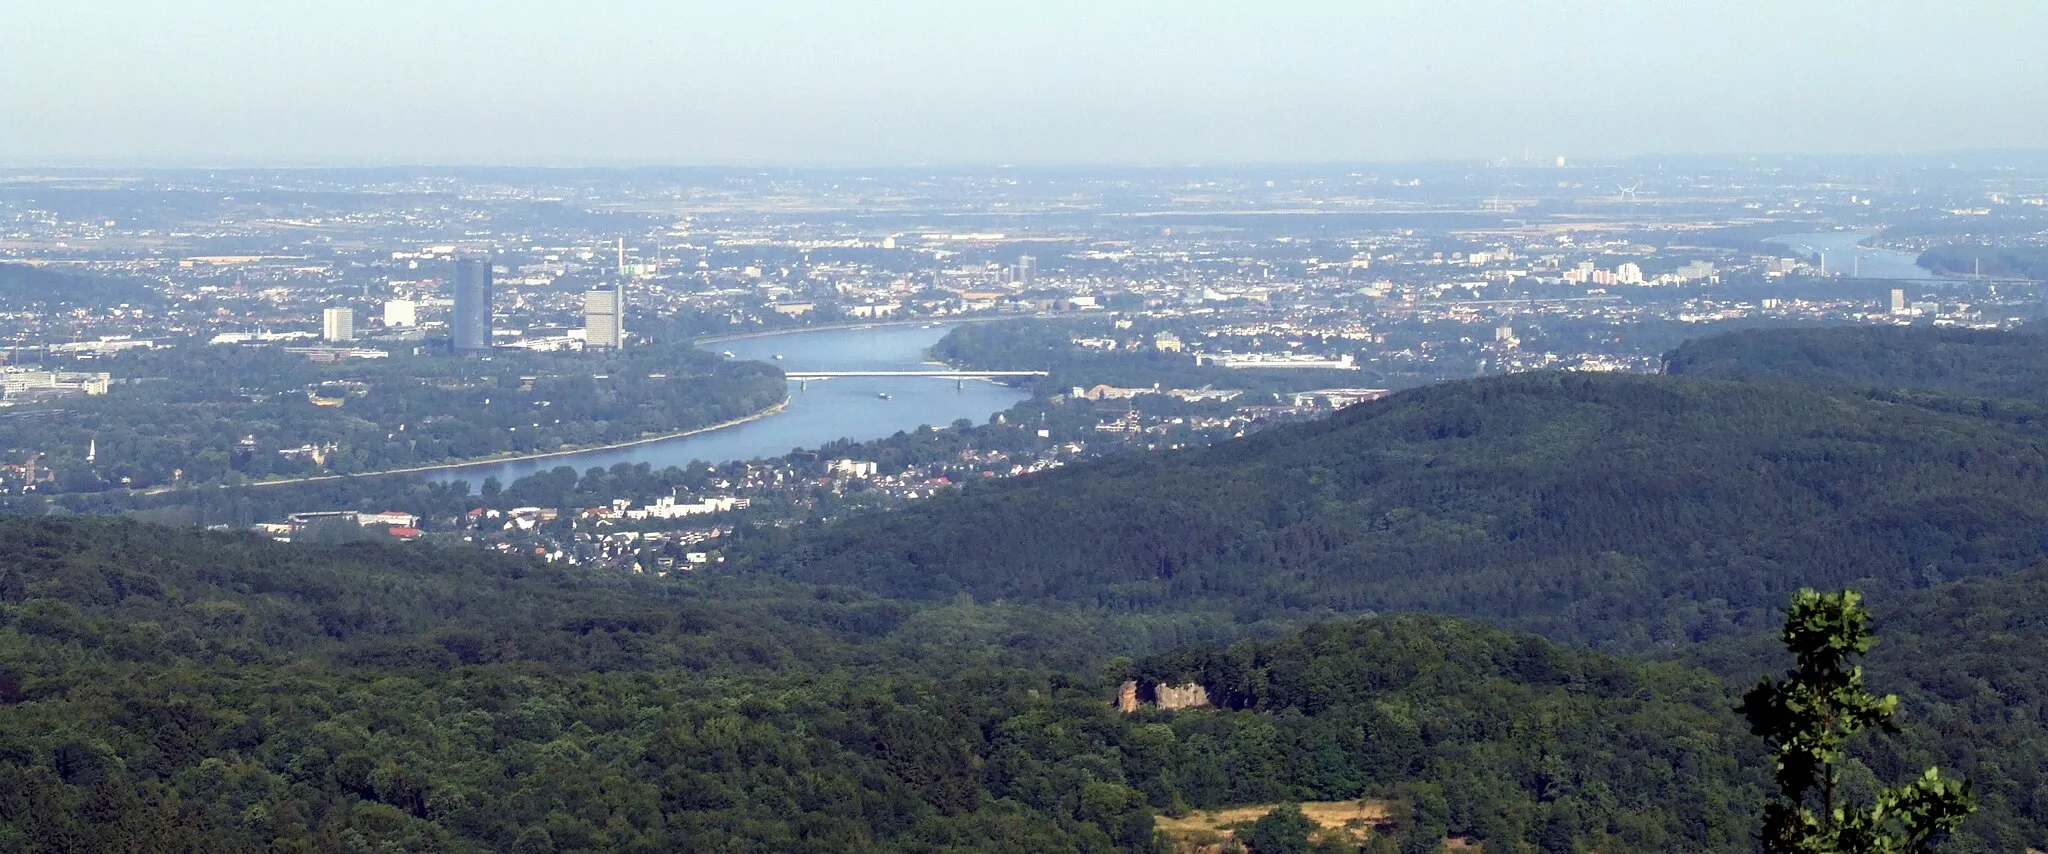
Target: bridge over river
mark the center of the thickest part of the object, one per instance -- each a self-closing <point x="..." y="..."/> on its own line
<point x="959" y="377"/>
<point x="804" y="378"/>
<point x="944" y="375"/>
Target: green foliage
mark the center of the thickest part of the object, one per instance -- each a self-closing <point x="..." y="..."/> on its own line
<point x="1283" y="831"/>
<point x="1626" y="511"/>
<point x="224" y="692"/>
<point x="1965" y="362"/>
<point x="1810" y="715"/>
<point x="231" y="692"/>
<point x="1506" y="730"/>
<point x="29" y="288"/>
<point x="908" y="682"/>
<point x="2024" y="262"/>
<point x="184" y="416"/>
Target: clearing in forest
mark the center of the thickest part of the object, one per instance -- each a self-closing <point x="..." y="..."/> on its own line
<point x="1329" y="815"/>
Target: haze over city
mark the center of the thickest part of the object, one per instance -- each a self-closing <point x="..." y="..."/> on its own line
<point x="902" y="81"/>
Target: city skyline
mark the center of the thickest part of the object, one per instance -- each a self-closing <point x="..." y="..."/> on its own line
<point x="902" y="83"/>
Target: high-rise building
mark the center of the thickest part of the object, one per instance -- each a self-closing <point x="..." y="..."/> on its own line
<point x="604" y="318"/>
<point x="338" y="324"/>
<point x="401" y="312"/>
<point x="1898" y="300"/>
<point x="472" y="317"/>
<point x="1027" y="270"/>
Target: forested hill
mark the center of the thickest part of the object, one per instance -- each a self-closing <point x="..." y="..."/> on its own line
<point x="1970" y="662"/>
<point x="167" y="689"/>
<point x="24" y="287"/>
<point x="1975" y="363"/>
<point x="2026" y="262"/>
<point x="1626" y="511"/>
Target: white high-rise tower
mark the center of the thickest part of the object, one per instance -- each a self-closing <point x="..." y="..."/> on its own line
<point x="604" y="318"/>
<point x="338" y="324"/>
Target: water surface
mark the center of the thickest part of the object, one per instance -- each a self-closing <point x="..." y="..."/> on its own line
<point x="1846" y="258"/>
<point x="847" y="408"/>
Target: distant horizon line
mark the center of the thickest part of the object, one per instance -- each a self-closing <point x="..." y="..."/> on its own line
<point x="627" y="164"/>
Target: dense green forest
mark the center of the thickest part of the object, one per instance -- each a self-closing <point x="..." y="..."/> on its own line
<point x="941" y="678"/>
<point x="29" y="288"/>
<point x="2021" y="262"/>
<point x="227" y="693"/>
<point x="181" y="415"/>
<point x="1970" y="662"/>
<point x="1624" y="511"/>
<point x="1963" y="362"/>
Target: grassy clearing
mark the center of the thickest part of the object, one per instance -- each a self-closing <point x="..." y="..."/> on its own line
<point x="1330" y="815"/>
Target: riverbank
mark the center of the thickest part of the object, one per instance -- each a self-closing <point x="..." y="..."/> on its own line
<point x="869" y="324"/>
<point x="515" y="458"/>
<point x="856" y="408"/>
<point x="1854" y="254"/>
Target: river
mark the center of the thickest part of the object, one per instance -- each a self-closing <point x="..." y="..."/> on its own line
<point x="846" y="408"/>
<point x="1846" y="258"/>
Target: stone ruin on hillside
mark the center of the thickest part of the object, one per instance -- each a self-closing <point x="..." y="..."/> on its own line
<point x="1166" y="697"/>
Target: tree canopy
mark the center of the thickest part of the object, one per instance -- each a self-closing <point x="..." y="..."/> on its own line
<point x="1626" y="511"/>
<point x="943" y="679"/>
<point x="1808" y="718"/>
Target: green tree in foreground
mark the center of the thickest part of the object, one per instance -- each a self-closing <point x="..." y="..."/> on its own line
<point x="1809" y="715"/>
<point x="1285" y="830"/>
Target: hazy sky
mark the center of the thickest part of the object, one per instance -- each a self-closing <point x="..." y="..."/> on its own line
<point x="259" y="82"/>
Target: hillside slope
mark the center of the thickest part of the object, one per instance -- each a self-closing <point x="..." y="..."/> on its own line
<point x="171" y="690"/>
<point x="1969" y="661"/>
<point x="24" y="287"/>
<point x="1620" y="510"/>
<point x="1964" y="362"/>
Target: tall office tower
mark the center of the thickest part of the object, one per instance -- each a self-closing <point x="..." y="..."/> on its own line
<point x="338" y="324"/>
<point x="401" y="312"/>
<point x="604" y="318"/>
<point x="472" y="320"/>
<point x="1898" y="300"/>
<point x="1027" y="270"/>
